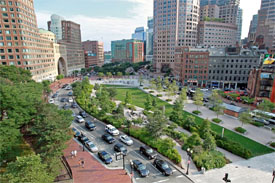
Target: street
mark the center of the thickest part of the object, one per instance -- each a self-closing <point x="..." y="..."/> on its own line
<point x="133" y="151"/>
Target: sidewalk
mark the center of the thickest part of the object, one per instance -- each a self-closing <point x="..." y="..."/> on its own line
<point x="93" y="171"/>
<point x="58" y="84"/>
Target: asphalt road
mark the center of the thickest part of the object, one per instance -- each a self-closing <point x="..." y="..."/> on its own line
<point x="133" y="151"/>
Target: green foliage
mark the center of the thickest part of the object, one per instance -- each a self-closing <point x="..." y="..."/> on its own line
<point x="209" y="144"/>
<point x="192" y="141"/>
<point x="27" y="169"/>
<point x="258" y="124"/>
<point x="109" y="74"/>
<point x="120" y="109"/>
<point x="247" y="100"/>
<point x="59" y="77"/>
<point x="173" y="88"/>
<point x="189" y="122"/>
<point x="205" y="128"/>
<point x="137" y="121"/>
<point x="156" y="123"/>
<point x="208" y="19"/>
<point x="176" y="114"/>
<point x="209" y="160"/>
<point x="15" y="74"/>
<point x="245" y="118"/>
<point x="240" y="130"/>
<point x="183" y="96"/>
<point x="196" y="112"/>
<point x="216" y="120"/>
<point x="198" y="98"/>
<point x="158" y="84"/>
<point x="267" y="106"/>
<point x="46" y="86"/>
<point x="159" y="95"/>
<point x="148" y="103"/>
<point x="97" y="86"/>
<point x="168" y="100"/>
<point x="216" y="102"/>
<point x="101" y="74"/>
<point x="151" y="91"/>
<point x="112" y="92"/>
<point x="128" y="98"/>
<point x="272" y="144"/>
<point x="131" y="107"/>
<point x="119" y="74"/>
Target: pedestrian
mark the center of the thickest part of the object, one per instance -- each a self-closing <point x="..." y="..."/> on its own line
<point x="79" y="162"/>
<point x="82" y="163"/>
<point x="72" y="154"/>
<point x="75" y="153"/>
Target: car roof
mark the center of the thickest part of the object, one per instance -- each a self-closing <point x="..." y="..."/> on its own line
<point x="119" y="145"/>
<point x="124" y="136"/>
<point x="137" y="162"/>
<point x="103" y="152"/>
<point x="110" y="126"/>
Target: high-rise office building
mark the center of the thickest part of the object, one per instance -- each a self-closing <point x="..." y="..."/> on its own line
<point x="149" y="39"/>
<point x="71" y="38"/>
<point x="175" y="24"/>
<point x="94" y="53"/>
<point x="139" y="34"/>
<point x="216" y="2"/>
<point x="209" y="11"/>
<point x="130" y="50"/>
<point x="22" y="44"/>
<point x="266" y="24"/>
<point x="253" y="29"/>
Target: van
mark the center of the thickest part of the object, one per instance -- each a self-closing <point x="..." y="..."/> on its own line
<point x="111" y="130"/>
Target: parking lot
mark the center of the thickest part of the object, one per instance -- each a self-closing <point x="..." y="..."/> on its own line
<point x="133" y="150"/>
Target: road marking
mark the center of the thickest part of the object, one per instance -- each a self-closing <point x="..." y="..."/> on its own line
<point x="174" y="170"/>
<point x="161" y="181"/>
<point x="139" y="155"/>
<point x="155" y="169"/>
<point x="179" y="176"/>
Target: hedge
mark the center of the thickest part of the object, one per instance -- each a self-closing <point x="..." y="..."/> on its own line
<point x="272" y="144"/>
<point x="159" y="95"/>
<point x="258" y="124"/>
<point x="240" y="130"/>
<point x="216" y="120"/>
<point x="168" y="100"/>
<point x="196" y="112"/>
<point x="151" y="92"/>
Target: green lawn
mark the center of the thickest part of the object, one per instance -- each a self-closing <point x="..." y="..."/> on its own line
<point x="139" y="98"/>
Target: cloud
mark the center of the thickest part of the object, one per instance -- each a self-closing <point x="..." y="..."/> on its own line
<point x="107" y="28"/>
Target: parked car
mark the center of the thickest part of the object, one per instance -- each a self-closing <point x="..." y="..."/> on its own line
<point x="64" y="86"/>
<point x="140" y="168"/>
<point x="83" y="139"/>
<point x="260" y="120"/>
<point x="70" y="94"/>
<point x="66" y="107"/>
<point x="105" y="157"/>
<point x="70" y="100"/>
<point x="91" y="146"/>
<point x="51" y="101"/>
<point x="126" y="140"/>
<point x="83" y="114"/>
<point x="76" y="132"/>
<point x="68" y="87"/>
<point x="63" y="100"/>
<point x="74" y="105"/>
<point x="79" y="119"/>
<point x="120" y="148"/>
<point x="108" y="138"/>
<point x="111" y="130"/>
<point x="90" y="125"/>
<point x="55" y="95"/>
<point x="148" y="152"/>
<point x="163" y="167"/>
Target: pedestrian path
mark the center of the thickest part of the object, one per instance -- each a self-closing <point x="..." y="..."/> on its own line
<point x="93" y="171"/>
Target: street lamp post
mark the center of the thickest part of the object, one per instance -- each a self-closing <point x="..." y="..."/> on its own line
<point x="189" y="153"/>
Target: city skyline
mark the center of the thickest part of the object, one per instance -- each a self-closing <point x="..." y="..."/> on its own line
<point x="106" y="20"/>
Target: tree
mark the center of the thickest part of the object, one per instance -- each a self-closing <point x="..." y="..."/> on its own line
<point x="138" y="121"/>
<point x="183" y="95"/>
<point x="153" y="84"/>
<point x="192" y="141"/>
<point x="128" y="98"/>
<point x="156" y="123"/>
<point x="119" y="74"/>
<point x="209" y="143"/>
<point x="166" y="82"/>
<point x="120" y="109"/>
<point x="109" y="74"/>
<point x="148" y="103"/>
<point x="59" y="77"/>
<point x="176" y="114"/>
<point x="245" y="117"/>
<point x="154" y="102"/>
<point x="159" y="84"/>
<point x="15" y="74"/>
<point x="189" y="122"/>
<point x="101" y="74"/>
<point x="140" y="80"/>
<point x="198" y="98"/>
<point x="112" y="92"/>
<point x="216" y="101"/>
<point x="205" y="128"/>
<point x="97" y="86"/>
<point x="27" y="169"/>
<point x="267" y="106"/>
<point x="173" y="88"/>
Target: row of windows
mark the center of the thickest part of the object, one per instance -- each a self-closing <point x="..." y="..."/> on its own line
<point x="229" y="78"/>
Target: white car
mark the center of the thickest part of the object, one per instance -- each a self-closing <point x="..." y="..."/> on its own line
<point x="71" y="100"/>
<point x="51" y="101"/>
<point x="126" y="140"/>
<point x="79" y="119"/>
<point x="111" y="130"/>
<point x="91" y="146"/>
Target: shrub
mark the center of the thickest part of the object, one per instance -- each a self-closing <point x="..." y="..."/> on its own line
<point x="168" y="100"/>
<point x="151" y="92"/>
<point x="258" y="124"/>
<point x="203" y="160"/>
<point x="196" y="112"/>
<point x="61" y="76"/>
<point x="272" y="144"/>
<point x="146" y="88"/>
<point x="176" y="135"/>
<point x="159" y="95"/>
<point x="240" y="130"/>
<point x="216" y="120"/>
<point x="132" y="107"/>
<point x="146" y="113"/>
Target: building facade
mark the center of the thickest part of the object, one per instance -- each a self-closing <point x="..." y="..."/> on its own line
<point x="175" y="24"/>
<point x="139" y="34"/>
<point x="22" y="44"/>
<point x="191" y="66"/>
<point x="130" y="50"/>
<point x="216" y="34"/>
<point x="107" y="57"/>
<point x="253" y="29"/>
<point x="94" y="53"/>
<point x="209" y="11"/>
<point x="71" y="38"/>
<point x="149" y="39"/>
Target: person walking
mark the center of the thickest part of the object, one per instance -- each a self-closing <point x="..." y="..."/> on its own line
<point x="82" y="163"/>
<point x="72" y="154"/>
<point x="75" y="153"/>
<point x="79" y="162"/>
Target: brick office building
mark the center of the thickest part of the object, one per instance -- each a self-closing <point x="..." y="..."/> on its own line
<point x="94" y="53"/>
<point x="191" y="66"/>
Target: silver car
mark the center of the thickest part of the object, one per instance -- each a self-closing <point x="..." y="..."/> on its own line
<point x="91" y="146"/>
<point x="126" y="140"/>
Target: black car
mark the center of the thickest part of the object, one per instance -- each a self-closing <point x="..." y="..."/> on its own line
<point x="83" y="114"/>
<point x="65" y="85"/>
<point x="70" y="94"/>
<point x="54" y="95"/>
<point x="83" y="139"/>
<point x="63" y="100"/>
<point x="66" y="107"/>
<point x="108" y="138"/>
<point x="90" y="125"/>
<point x="105" y="157"/>
<point x="74" y="105"/>
<point x="163" y="167"/>
<point x="148" y="152"/>
<point x="120" y="148"/>
<point x="76" y="132"/>
<point x="140" y="168"/>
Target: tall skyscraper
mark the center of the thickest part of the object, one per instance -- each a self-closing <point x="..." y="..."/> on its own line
<point x="252" y="29"/>
<point x="150" y="39"/>
<point x="266" y="24"/>
<point x="217" y="2"/>
<point x="94" y="53"/>
<point x="175" y="24"/>
<point x="70" y="35"/>
<point x="239" y="25"/>
<point x="22" y="44"/>
<point x="139" y="34"/>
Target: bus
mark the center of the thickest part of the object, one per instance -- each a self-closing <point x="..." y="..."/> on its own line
<point x="270" y="117"/>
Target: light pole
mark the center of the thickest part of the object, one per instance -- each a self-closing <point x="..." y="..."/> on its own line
<point x="226" y="178"/>
<point x="273" y="175"/>
<point x="189" y="153"/>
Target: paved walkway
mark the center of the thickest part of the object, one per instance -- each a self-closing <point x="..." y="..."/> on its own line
<point x="93" y="171"/>
<point x="58" y="84"/>
<point x="255" y="170"/>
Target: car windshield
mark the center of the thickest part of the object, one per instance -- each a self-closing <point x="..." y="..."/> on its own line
<point x="122" y="148"/>
<point x="141" y="167"/>
<point x="109" y="137"/>
<point x="112" y="129"/>
<point x="149" y="151"/>
<point x="91" y="145"/>
<point x="165" y="166"/>
<point x="127" y="138"/>
<point x="106" y="156"/>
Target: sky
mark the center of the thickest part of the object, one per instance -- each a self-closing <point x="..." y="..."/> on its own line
<point x="107" y="20"/>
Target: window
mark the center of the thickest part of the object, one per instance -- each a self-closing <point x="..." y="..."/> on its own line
<point x="10" y="3"/>
<point x="17" y="56"/>
<point x="17" y="50"/>
<point x="9" y="50"/>
<point x="9" y="44"/>
<point x="8" y="32"/>
<point x="6" y="20"/>
<point x="2" y="51"/>
<point x="4" y="9"/>
<point x="1" y="44"/>
<point x="2" y="57"/>
<point x="11" y="57"/>
<point x="8" y="38"/>
<point x="1" y="38"/>
<point x="5" y="14"/>
<point x="18" y="63"/>
<point x="11" y="63"/>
